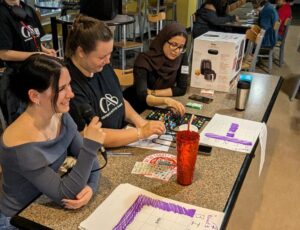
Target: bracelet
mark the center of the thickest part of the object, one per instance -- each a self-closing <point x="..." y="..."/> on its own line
<point x="138" y="130"/>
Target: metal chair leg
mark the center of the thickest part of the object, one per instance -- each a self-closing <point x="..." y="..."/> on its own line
<point x="295" y="90"/>
<point x="123" y="60"/>
<point x="281" y="55"/>
<point x="270" y="60"/>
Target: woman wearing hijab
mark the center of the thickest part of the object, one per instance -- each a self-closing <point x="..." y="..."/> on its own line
<point x="211" y="16"/>
<point x="157" y="72"/>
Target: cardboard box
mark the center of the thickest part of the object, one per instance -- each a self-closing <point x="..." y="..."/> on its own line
<point x="217" y="59"/>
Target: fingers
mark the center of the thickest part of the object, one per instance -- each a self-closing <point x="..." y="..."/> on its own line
<point x="82" y="199"/>
<point x="157" y="127"/>
<point x="85" y="191"/>
<point x="179" y="107"/>
<point x="95" y="122"/>
<point x="72" y="204"/>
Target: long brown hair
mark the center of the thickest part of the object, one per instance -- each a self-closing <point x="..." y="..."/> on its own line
<point x="85" y="32"/>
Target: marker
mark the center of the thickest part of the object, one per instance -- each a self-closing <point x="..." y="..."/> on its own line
<point x="230" y="139"/>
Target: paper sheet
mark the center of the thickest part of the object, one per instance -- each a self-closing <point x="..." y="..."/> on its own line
<point x="149" y="144"/>
<point x="263" y="144"/>
<point x="162" y="172"/>
<point x="151" y="216"/>
<point x="231" y="133"/>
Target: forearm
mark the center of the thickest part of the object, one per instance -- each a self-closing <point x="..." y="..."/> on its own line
<point x="120" y="137"/>
<point x="51" y="184"/>
<point x="132" y="116"/>
<point x="94" y="177"/>
<point x="161" y="92"/>
<point x="155" y="100"/>
<point x="12" y="55"/>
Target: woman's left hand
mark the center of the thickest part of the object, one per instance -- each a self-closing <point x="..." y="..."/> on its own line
<point x="175" y="104"/>
<point x="50" y="52"/>
<point x="82" y="198"/>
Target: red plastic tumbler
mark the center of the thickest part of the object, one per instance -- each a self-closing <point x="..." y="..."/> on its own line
<point x="187" y="149"/>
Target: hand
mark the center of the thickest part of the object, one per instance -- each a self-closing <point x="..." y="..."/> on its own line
<point x="49" y="52"/>
<point x="141" y="123"/>
<point x="237" y="19"/>
<point x="93" y="131"/>
<point x="176" y="105"/>
<point x="82" y="198"/>
<point x="153" y="127"/>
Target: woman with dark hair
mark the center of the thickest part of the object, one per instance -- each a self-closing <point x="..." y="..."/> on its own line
<point x="89" y="46"/>
<point x="211" y="16"/>
<point x="159" y="73"/>
<point x="36" y="144"/>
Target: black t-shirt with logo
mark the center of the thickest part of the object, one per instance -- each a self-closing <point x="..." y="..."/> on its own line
<point x="102" y="92"/>
<point x="14" y="35"/>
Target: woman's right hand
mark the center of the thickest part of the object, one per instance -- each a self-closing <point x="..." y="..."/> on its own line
<point x="170" y="102"/>
<point x="152" y="127"/>
<point x="93" y="131"/>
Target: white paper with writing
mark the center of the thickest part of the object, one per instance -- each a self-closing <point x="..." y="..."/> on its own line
<point x="219" y="125"/>
<point x="109" y="213"/>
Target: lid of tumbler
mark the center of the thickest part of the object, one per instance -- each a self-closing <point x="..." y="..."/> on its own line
<point x="244" y="84"/>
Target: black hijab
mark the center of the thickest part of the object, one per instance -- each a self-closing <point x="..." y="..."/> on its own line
<point x="155" y="59"/>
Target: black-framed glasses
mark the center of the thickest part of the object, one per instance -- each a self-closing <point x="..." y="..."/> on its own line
<point x="174" y="46"/>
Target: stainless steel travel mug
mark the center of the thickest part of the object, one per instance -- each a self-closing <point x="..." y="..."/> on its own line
<point x="243" y="89"/>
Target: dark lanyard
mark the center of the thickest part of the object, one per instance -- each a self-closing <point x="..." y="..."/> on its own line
<point x="32" y="34"/>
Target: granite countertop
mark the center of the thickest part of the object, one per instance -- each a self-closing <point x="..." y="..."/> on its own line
<point x="214" y="175"/>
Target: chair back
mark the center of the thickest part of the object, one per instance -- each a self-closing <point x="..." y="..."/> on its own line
<point x="253" y="47"/>
<point x="125" y="77"/>
<point x="258" y="43"/>
<point x="158" y="19"/>
<point x="255" y="28"/>
<point x="153" y="18"/>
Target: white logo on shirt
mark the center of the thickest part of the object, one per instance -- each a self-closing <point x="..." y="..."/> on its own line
<point x="108" y="102"/>
<point x="26" y="32"/>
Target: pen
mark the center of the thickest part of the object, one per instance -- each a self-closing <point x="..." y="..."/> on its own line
<point x="118" y="154"/>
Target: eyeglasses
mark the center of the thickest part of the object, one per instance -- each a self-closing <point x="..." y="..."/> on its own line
<point x="174" y="46"/>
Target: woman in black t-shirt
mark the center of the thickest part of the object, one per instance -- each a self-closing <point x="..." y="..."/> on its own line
<point x="20" y="33"/>
<point x="88" y="51"/>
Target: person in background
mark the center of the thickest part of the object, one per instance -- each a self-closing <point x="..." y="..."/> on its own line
<point x="20" y="33"/>
<point x="284" y="12"/>
<point x="88" y="50"/>
<point x="30" y="160"/>
<point x="267" y="18"/>
<point x="211" y="16"/>
<point x="159" y="74"/>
